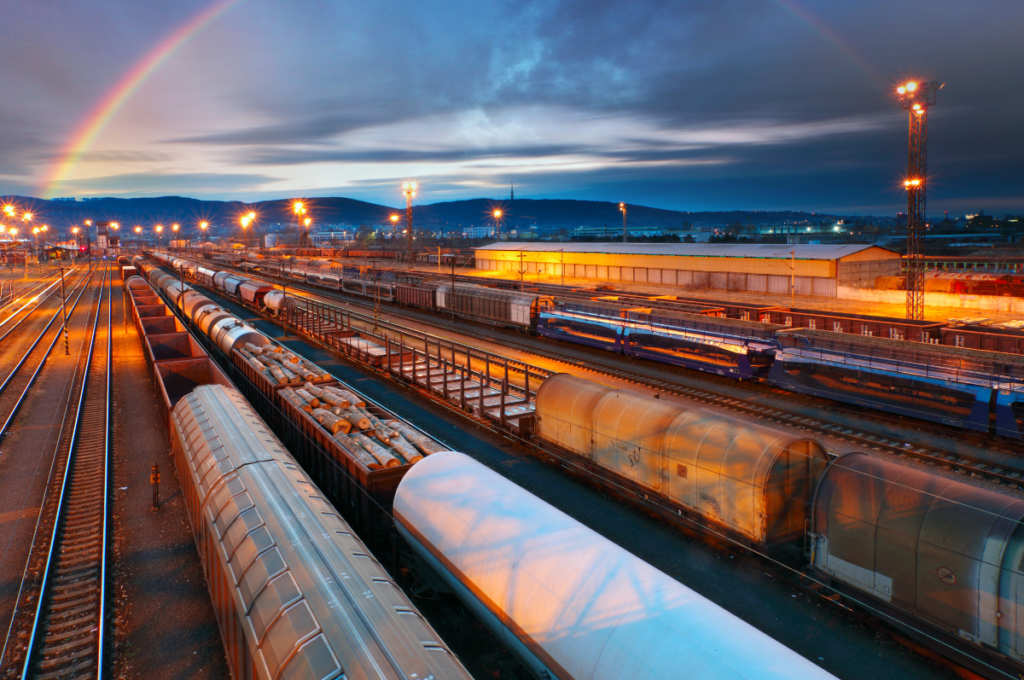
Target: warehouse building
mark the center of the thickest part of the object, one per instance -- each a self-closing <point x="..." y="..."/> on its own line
<point x="815" y="270"/>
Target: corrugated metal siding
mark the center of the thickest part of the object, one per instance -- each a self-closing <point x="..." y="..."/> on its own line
<point x="823" y="287"/>
<point x="778" y="284"/>
<point x="755" y="282"/>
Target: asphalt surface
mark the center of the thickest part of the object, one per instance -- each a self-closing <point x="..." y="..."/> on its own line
<point x="741" y="584"/>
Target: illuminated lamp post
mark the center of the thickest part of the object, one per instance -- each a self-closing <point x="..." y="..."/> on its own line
<point x="622" y="207"/>
<point x="299" y="210"/>
<point x="916" y="98"/>
<point x="394" y="225"/>
<point x="497" y="223"/>
<point x="203" y="226"/>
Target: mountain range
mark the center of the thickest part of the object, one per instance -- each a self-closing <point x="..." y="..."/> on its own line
<point x="548" y="215"/>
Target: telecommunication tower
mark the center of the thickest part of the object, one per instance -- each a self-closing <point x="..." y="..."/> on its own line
<point x="916" y="98"/>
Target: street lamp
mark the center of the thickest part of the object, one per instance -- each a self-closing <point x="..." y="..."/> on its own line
<point x="497" y="222"/>
<point x="394" y="225"/>
<point x="622" y="207"/>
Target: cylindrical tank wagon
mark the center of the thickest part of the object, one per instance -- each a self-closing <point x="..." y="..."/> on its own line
<point x="568" y="602"/>
<point x="753" y="481"/>
<point x="943" y="551"/>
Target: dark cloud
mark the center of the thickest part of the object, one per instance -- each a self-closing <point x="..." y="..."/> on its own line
<point x="434" y="89"/>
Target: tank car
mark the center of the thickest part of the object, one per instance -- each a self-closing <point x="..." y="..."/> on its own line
<point x="753" y="482"/>
<point x="941" y="551"/>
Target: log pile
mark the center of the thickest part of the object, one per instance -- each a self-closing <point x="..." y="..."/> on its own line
<point x="376" y="443"/>
<point x="280" y="366"/>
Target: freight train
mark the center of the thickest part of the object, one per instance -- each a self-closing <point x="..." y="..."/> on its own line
<point x="894" y="365"/>
<point x="939" y="558"/>
<point x="298" y="595"/>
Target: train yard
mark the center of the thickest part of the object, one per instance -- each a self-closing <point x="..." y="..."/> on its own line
<point x="324" y="323"/>
<point x="956" y="449"/>
<point x="315" y="438"/>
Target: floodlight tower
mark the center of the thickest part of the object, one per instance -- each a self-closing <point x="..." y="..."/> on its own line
<point x="916" y="98"/>
<point x="409" y="189"/>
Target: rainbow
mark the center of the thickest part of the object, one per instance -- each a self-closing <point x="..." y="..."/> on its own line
<point x="116" y="97"/>
<point x="830" y="36"/>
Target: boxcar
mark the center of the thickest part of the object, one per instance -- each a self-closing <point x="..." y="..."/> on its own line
<point x="424" y="297"/>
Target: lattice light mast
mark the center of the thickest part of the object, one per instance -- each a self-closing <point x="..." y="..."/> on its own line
<point x="409" y="189"/>
<point x="916" y="98"/>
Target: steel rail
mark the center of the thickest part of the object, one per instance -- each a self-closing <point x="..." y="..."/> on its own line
<point x="38" y="302"/>
<point x="927" y="454"/>
<point x="21" y="292"/>
<point x="14" y="614"/>
<point x="66" y="589"/>
<point x="46" y="355"/>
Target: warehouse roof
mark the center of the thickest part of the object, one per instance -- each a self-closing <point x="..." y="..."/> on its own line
<point x="771" y="251"/>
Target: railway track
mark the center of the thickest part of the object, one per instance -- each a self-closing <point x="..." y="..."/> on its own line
<point x="66" y="633"/>
<point x="15" y="385"/>
<point x="933" y="456"/>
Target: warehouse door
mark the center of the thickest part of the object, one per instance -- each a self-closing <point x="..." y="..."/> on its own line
<point x="720" y="280"/>
<point x="757" y="283"/>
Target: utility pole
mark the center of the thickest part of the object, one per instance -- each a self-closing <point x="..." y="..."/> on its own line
<point x="376" y="295"/>
<point x="452" y="305"/>
<point x="522" y="270"/>
<point x="622" y="207"/>
<point x="562" y="251"/>
<point x="916" y="98"/>
<point x="792" y="277"/>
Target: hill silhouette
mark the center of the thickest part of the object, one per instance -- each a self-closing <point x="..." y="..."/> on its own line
<point x="549" y="215"/>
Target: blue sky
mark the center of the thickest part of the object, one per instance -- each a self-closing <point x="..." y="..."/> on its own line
<point x="699" y="105"/>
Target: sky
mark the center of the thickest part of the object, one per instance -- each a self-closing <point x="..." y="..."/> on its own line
<point x="688" y="105"/>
